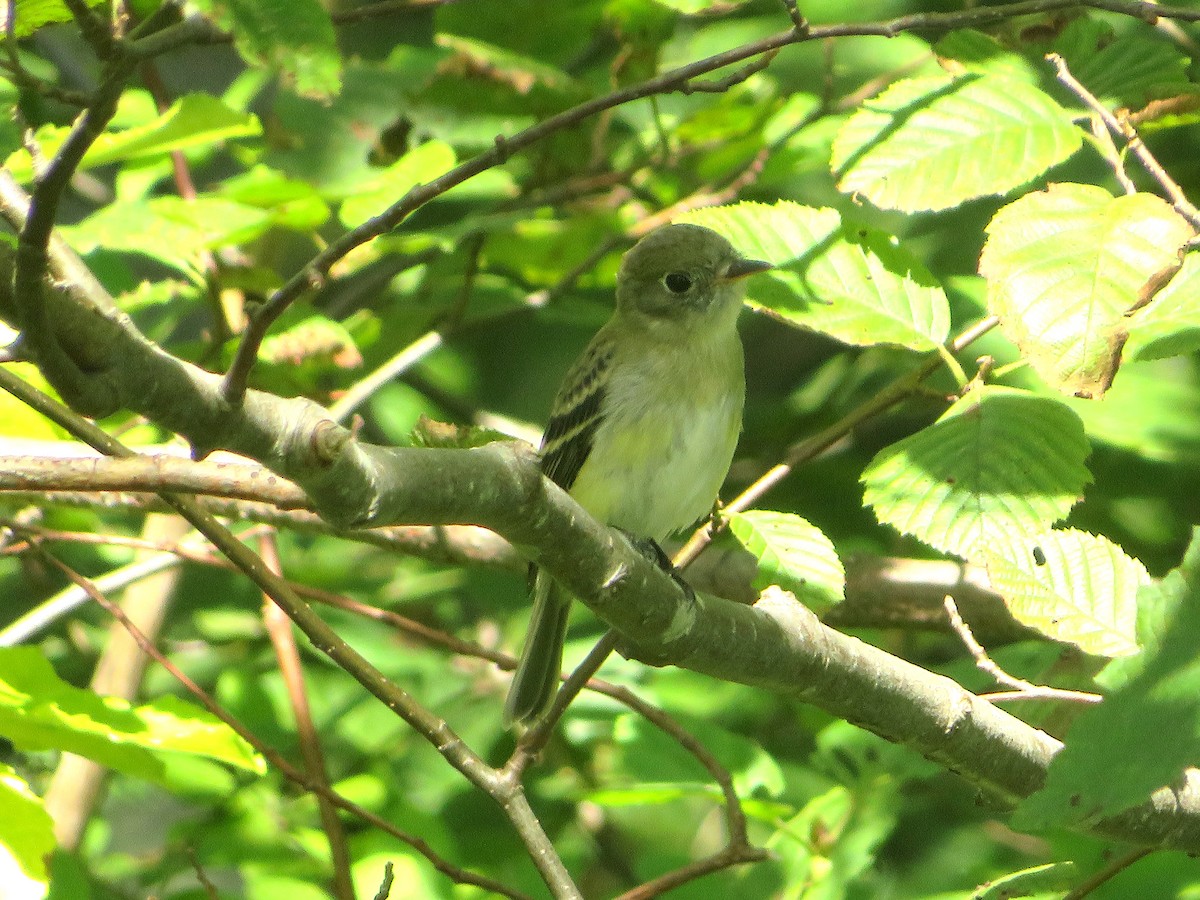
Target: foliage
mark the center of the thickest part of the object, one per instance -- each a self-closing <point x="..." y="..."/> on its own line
<point x="978" y="343"/>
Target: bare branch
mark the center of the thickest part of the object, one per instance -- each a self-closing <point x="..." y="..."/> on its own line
<point x="1027" y="689"/>
<point x="1123" y="128"/>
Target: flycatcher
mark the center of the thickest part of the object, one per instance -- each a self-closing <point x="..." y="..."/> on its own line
<point x="643" y="429"/>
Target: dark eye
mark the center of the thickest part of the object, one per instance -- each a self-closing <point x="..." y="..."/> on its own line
<point x="678" y="282"/>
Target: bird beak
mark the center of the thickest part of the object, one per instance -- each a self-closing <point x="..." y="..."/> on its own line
<point x="740" y="268"/>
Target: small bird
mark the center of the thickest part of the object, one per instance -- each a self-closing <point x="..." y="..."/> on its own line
<point x="644" y="426"/>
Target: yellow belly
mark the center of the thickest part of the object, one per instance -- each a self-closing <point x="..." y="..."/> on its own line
<point x="655" y="469"/>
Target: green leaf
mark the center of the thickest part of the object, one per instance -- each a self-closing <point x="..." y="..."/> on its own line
<point x="934" y="143"/>
<point x="293" y="204"/>
<point x="1153" y="411"/>
<point x="1065" y="265"/>
<point x="1127" y="70"/>
<point x="973" y="51"/>
<point x="39" y="711"/>
<point x="197" y="120"/>
<point x="792" y="554"/>
<point x="170" y="229"/>
<point x="294" y="36"/>
<point x="33" y="14"/>
<point x="1049" y="881"/>
<point x="999" y="464"/>
<point x="1147" y="731"/>
<point x="1072" y="586"/>
<point x="692" y="7"/>
<point x="380" y="190"/>
<point x="26" y="839"/>
<point x="1170" y="324"/>
<point x="852" y="283"/>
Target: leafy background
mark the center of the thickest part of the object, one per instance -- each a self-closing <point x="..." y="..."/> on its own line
<point x="906" y="188"/>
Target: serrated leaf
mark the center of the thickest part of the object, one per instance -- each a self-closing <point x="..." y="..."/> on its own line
<point x="934" y="143"/>
<point x="294" y="36"/>
<point x="196" y="120"/>
<point x="792" y="554"/>
<point x="39" y="711"/>
<point x="381" y="190"/>
<point x="1147" y="731"/>
<point x="1170" y="324"/>
<point x="26" y="839"/>
<point x="170" y="229"/>
<point x="854" y="284"/>
<point x="33" y="14"/>
<point x="1122" y="70"/>
<point x="998" y="465"/>
<point x="966" y="50"/>
<point x="1065" y="265"/>
<point x="1072" y="586"/>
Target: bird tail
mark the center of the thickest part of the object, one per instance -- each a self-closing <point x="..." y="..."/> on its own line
<point x="534" y="683"/>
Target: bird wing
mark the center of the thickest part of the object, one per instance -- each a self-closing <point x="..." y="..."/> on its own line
<point x="576" y="415"/>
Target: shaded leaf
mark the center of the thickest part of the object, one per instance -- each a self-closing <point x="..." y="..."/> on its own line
<point x="1122" y="70"/>
<point x="294" y="36"/>
<point x="998" y="465"/>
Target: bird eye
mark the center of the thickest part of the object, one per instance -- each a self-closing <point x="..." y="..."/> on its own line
<point x="678" y="282"/>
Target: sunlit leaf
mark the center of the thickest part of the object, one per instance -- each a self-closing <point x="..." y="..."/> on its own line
<point x="26" y="839"/>
<point x="380" y="191"/>
<point x="1065" y="266"/>
<point x="792" y="554"/>
<point x="1170" y="324"/>
<point x="1147" y="730"/>
<point x="933" y="143"/>
<point x="39" y="711"/>
<point x="1072" y="586"/>
<point x="33" y="14"/>
<point x="196" y="120"/>
<point x="852" y="283"/>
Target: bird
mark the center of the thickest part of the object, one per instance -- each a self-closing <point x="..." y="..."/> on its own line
<point x="644" y="427"/>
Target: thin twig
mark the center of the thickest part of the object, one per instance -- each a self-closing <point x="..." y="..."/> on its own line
<point x="362" y="390"/>
<point x="730" y="856"/>
<point x="508" y="793"/>
<point x="1118" y="865"/>
<point x="272" y="756"/>
<point x="720" y="85"/>
<point x="279" y="629"/>
<point x="986" y="664"/>
<point x="1108" y="150"/>
<point x="1123" y="128"/>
